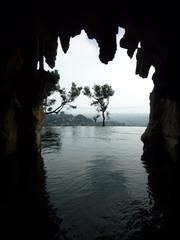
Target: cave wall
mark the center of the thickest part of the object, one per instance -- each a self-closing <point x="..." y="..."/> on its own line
<point x="162" y="135"/>
<point x="29" y="34"/>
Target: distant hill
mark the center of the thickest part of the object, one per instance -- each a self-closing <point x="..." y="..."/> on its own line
<point x="64" y="119"/>
<point x="130" y="119"/>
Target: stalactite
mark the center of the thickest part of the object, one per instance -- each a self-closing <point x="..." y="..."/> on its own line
<point x="130" y="42"/>
<point x="144" y="62"/>
<point x="65" y="41"/>
<point x="50" y="48"/>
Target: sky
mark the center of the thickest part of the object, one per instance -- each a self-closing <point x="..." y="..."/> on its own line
<point x="81" y="65"/>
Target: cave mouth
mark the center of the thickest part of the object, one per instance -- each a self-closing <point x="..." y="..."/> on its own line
<point x="45" y="24"/>
<point x="81" y="65"/>
<point x="91" y="169"/>
<point x="35" y="30"/>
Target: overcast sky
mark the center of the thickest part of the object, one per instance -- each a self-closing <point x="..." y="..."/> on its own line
<point x="82" y="66"/>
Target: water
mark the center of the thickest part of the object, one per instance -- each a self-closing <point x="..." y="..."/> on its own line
<point x="96" y="180"/>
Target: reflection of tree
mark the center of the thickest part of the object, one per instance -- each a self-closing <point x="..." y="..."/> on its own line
<point x="51" y="139"/>
<point x="163" y="190"/>
<point x="26" y="211"/>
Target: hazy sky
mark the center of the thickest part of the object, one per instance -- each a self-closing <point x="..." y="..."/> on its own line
<point x="82" y="66"/>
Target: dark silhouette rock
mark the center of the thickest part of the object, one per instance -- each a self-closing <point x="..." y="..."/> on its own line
<point x="163" y="188"/>
<point x="30" y="32"/>
<point x="25" y="208"/>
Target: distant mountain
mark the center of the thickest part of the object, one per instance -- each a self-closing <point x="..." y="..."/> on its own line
<point x="134" y="119"/>
<point x="63" y="119"/>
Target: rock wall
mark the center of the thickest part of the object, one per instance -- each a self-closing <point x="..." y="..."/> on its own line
<point x="29" y="135"/>
<point x="21" y="131"/>
<point x="9" y="133"/>
<point x="162" y="135"/>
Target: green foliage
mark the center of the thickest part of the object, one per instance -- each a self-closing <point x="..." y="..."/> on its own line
<point x="100" y="95"/>
<point x="87" y="91"/>
<point x="51" y="80"/>
<point x="65" y="99"/>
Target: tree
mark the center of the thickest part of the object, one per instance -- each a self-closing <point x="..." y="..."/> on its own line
<point x="50" y="82"/>
<point x="100" y="96"/>
<point x="66" y="98"/>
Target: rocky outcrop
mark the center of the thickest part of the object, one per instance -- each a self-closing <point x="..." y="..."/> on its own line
<point x="163" y="131"/>
<point x="8" y="133"/>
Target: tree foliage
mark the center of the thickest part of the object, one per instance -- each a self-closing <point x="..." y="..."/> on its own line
<point x="65" y="98"/>
<point x="52" y="82"/>
<point x="100" y="98"/>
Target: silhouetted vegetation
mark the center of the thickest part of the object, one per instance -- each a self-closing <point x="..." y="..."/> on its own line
<point x="100" y="96"/>
<point x="65" y="98"/>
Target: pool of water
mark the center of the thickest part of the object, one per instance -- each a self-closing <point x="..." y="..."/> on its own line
<point x="97" y="182"/>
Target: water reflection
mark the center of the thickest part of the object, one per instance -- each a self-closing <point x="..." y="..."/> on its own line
<point x="163" y="192"/>
<point x="97" y="183"/>
<point x="101" y="189"/>
<point x="26" y="212"/>
<point x="50" y="139"/>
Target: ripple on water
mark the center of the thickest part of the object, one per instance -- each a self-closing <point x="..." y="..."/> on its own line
<point x="96" y="180"/>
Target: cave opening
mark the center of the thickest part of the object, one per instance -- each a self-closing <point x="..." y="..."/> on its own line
<point x="81" y="65"/>
<point x="22" y="175"/>
<point x="89" y="169"/>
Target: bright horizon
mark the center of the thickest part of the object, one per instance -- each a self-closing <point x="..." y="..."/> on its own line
<point x="81" y="65"/>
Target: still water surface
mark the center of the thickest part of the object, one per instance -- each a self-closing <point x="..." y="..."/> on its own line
<point x="96" y="180"/>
